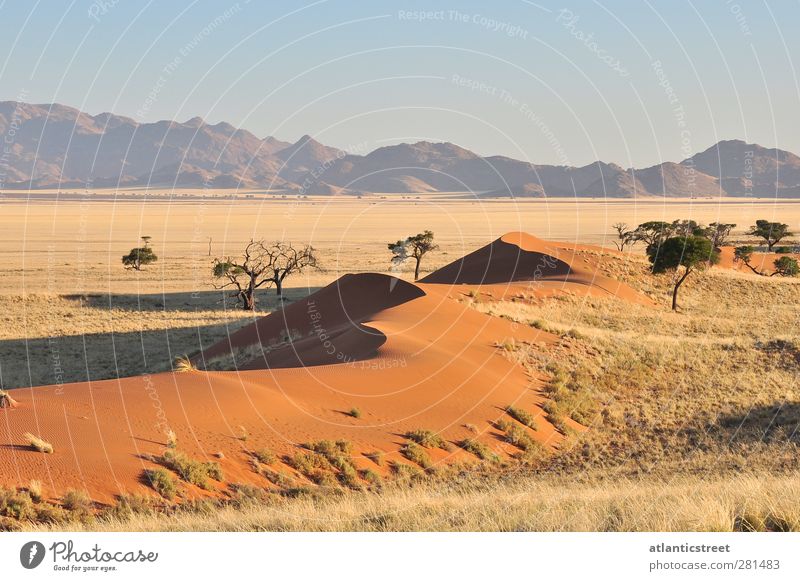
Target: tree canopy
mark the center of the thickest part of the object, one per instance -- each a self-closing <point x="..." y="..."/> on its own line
<point x="690" y="252"/>
<point x="139" y="257"/>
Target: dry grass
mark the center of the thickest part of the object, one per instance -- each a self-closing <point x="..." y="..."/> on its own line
<point x="510" y="503"/>
<point x="38" y="444"/>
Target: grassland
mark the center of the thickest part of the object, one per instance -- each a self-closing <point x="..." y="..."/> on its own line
<point x="693" y="415"/>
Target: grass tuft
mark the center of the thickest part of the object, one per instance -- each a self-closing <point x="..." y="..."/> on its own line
<point x="161" y="481"/>
<point x="38" y="443"/>
<point x="428" y="439"/>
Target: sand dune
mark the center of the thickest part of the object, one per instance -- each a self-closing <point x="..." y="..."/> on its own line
<point x="540" y="266"/>
<point x="408" y="356"/>
<point x="761" y="261"/>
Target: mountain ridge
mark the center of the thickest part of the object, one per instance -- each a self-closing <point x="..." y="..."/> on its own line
<point x="57" y="146"/>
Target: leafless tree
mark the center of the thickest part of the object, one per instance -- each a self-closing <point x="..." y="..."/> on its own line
<point x="260" y="265"/>
<point x="624" y="234"/>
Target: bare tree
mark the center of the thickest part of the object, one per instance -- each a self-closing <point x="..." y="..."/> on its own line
<point x="624" y="234"/>
<point x="260" y="265"/>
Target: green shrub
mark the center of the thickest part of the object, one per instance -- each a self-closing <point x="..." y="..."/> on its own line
<point x="416" y="454"/>
<point x="522" y="416"/>
<point x="404" y="471"/>
<point x="479" y="449"/>
<point x="161" y="481"/>
<point x="371" y="477"/>
<point x="355" y="413"/>
<point x="264" y="456"/>
<point x="192" y="471"/>
<point x="428" y="439"/>
<point x="16" y="504"/>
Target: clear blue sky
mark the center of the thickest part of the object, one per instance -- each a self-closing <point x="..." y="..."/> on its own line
<point x="630" y="82"/>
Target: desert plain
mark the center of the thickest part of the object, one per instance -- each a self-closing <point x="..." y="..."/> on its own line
<point x="634" y="417"/>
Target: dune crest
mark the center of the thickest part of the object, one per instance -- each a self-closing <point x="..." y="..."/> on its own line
<point x="543" y="267"/>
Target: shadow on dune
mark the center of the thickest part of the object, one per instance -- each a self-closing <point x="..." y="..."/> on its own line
<point x="502" y="261"/>
<point x="324" y="328"/>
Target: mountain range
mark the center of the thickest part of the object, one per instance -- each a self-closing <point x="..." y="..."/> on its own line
<point x="55" y="146"/>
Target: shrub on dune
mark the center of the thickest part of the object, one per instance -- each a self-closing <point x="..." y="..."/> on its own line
<point x="38" y="443"/>
<point x="428" y="439"/>
<point x="161" y="481"/>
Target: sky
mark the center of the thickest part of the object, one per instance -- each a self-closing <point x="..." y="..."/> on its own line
<point x="567" y="83"/>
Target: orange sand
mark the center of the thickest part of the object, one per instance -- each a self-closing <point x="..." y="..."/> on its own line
<point x="408" y="356"/>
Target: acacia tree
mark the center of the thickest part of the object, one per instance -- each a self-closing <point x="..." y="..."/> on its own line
<point x="413" y="247"/>
<point x="771" y="232"/>
<point x="624" y="236"/>
<point x="718" y="233"/>
<point x="653" y="234"/>
<point x="139" y="257"/>
<point x="690" y="252"/>
<point x="786" y="266"/>
<point x="744" y="254"/>
<point x="261" y="264"/>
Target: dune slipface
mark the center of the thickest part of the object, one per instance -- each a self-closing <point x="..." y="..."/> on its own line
<point x="408" y="356"/>
<point x="541" y="266"/>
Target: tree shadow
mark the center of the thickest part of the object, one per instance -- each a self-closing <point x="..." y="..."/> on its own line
<point x="213" y="300"/>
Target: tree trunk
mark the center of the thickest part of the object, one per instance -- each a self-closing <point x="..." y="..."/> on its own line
<point x="675" y="290"/>
<point x="279" y="288"/>
<point x="416" y="269"/>
<point x="249" y="296"/>
<point x="771" y="244"/>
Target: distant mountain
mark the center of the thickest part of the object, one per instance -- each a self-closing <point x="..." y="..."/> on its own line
<point x="53" y="146"/>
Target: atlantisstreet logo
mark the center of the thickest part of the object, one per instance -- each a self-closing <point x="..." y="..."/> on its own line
<point x="31" y="554"/>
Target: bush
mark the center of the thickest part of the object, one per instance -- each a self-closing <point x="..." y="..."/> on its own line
<point x="479" y="449"/>
<point x="371" y="477"/>
<point x="161" y="481"/>
<point x="183" y="364"/>
<point x="16" y="504"/>
<point x="192" y="471"/>
<point x="404" y="471"/>
<point x="264" y="456"/>
<point x="77" y="502"/>
<point x="416" y="454"/>
<point x="428" y="439"/>
<point x="311" y="465"/>
<point x="376" y="456"/>
<point x="354" y="413"/>
<point x="38" y="443"/>
<point x="518" y="437"/>
<point x="522" y="416"/>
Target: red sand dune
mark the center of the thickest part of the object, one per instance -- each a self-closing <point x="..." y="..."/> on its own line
<point x="408" y="356"/>
<point x="764" y="262"/>
<point x="540" y="266"/>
